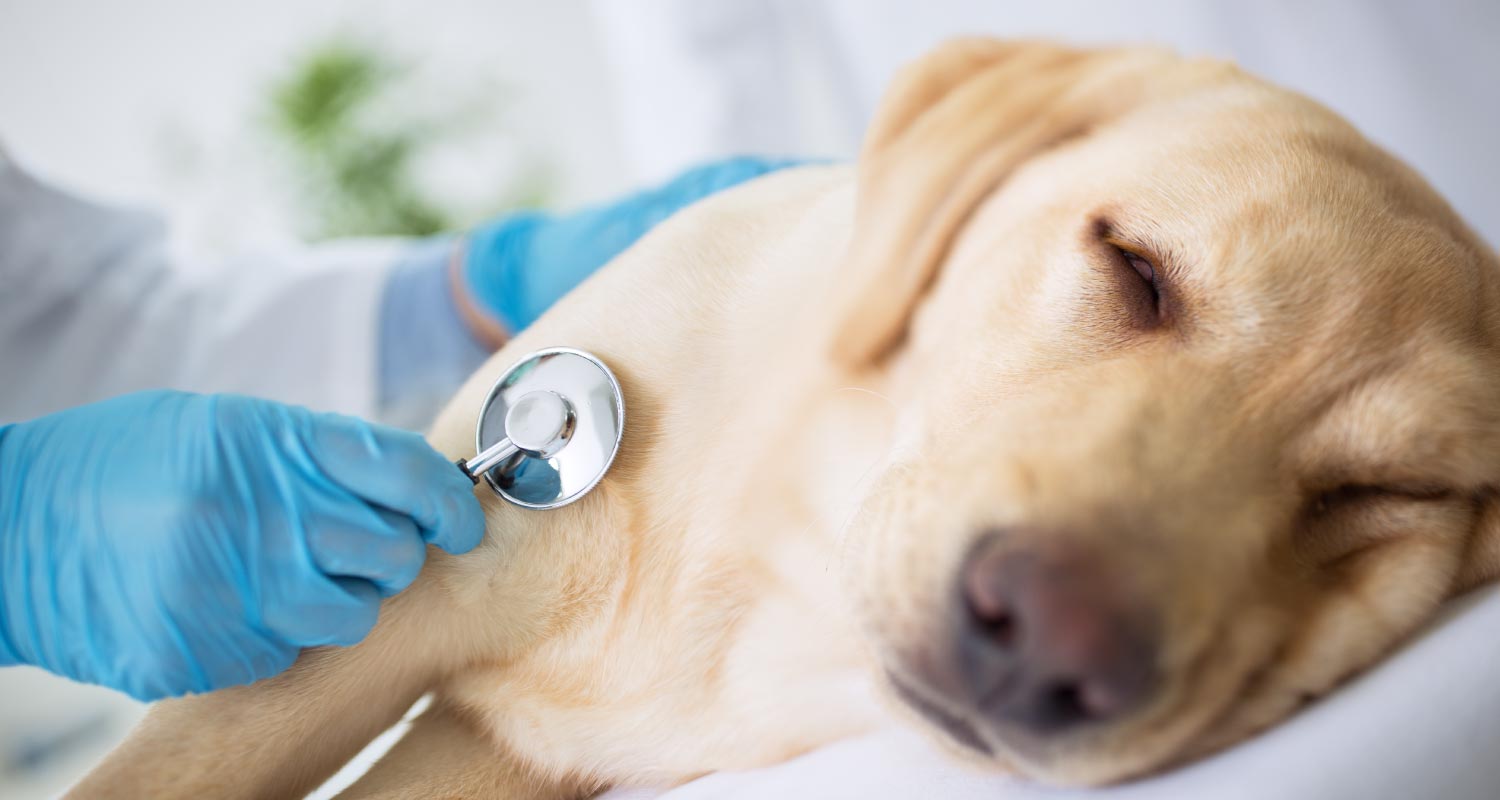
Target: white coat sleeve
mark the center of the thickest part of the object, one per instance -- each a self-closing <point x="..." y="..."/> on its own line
<point x="92" y="305"/>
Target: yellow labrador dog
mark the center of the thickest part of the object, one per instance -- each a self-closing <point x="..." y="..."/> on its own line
<point x="1117" y="405"/>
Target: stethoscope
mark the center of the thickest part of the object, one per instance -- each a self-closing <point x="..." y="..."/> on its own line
<point x="549" y="429"/>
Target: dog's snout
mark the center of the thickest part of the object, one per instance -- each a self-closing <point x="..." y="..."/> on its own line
<point x="1047" y="641"/>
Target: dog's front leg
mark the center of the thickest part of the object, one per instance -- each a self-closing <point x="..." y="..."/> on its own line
<point x="283" y="736"/>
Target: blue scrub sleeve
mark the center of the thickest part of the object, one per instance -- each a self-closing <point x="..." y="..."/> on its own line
<point x="425" y="351"/>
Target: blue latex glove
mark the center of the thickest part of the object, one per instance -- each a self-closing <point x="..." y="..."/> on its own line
<point x="519" y="266"/>
<point x="164" y="542"/>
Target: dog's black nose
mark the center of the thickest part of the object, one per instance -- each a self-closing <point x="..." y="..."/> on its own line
<point x="1048" y="642"/>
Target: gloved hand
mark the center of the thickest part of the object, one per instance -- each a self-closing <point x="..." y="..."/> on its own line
<point x="519" y="266"/>
<point x="164" y="542"/>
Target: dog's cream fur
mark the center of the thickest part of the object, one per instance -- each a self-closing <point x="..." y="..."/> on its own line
<point x="836" y="385"/>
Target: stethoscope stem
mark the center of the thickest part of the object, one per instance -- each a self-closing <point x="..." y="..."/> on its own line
<point x="492" y="457"/>
<point x="538" y="424"/>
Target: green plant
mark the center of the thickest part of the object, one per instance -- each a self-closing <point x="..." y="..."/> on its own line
<point x="342" y="118"/>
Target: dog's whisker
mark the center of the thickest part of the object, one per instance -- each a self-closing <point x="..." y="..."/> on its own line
<point x="872" y="392"/>
<point x="861" y="485"/>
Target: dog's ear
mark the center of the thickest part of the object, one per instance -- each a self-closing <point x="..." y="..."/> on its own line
<point x="950" y="128"/>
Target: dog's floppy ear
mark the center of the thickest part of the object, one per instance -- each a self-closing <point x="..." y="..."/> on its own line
<point x="949" y="129"/>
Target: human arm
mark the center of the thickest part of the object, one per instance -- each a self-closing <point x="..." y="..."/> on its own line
<point x="94" y="303"/>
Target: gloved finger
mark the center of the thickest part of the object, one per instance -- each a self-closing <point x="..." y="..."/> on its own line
<point x="323" y="611"/>
<point x="269" y="663"/>
<point x="400" y="471"/>
<point x="380" y="546"/>
<point x="517" y="267"/>
<point x="611" y="227"/>
<point x="360" y="617"/>
<point x="706" y="179"/>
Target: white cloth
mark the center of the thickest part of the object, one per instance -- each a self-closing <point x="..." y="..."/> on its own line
<point x="697" y="79"/>
<point x="1425" y="724"/>
<point x="92" y="305"/>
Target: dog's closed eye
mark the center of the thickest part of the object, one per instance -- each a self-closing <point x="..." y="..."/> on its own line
<point x="1348" y="518"/>
<point x="1348" y="495"/>
<point x="1137" y="274"/>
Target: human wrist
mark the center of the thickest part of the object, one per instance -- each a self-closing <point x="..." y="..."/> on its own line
<point x="426" y="348"/>
<point x="482" y="324"/>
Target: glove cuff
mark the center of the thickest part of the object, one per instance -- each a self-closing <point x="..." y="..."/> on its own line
<point x="494" y="269"/>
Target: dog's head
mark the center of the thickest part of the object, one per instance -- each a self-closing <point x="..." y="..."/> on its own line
<point x="1198" y="403"/>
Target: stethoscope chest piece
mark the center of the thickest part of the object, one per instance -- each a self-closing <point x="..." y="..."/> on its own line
<point x="549" y="429"/>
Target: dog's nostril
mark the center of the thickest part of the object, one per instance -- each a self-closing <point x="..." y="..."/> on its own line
<point x="1001" y="629"/>
<point x="1063" y="704"/>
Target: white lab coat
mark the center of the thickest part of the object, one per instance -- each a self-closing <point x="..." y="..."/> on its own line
<point x="698" y="79"/>
<point x="92" y="305"/>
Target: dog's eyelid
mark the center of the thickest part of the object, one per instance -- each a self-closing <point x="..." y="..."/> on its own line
<point x="1130" y="247"/>
<point x="1143" y="265"/>
<point x="1357" y="491"/>
<point x="1135" y="244"/>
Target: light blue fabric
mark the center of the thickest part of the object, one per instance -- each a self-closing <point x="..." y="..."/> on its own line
<point x="425" y="350"/>
<point x="166" y="542"/>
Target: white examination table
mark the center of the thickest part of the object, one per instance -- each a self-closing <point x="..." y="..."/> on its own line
<point x="1425" y="724"/>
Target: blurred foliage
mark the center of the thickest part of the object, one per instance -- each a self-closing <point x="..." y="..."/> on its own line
<point x="344" y="115"/>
